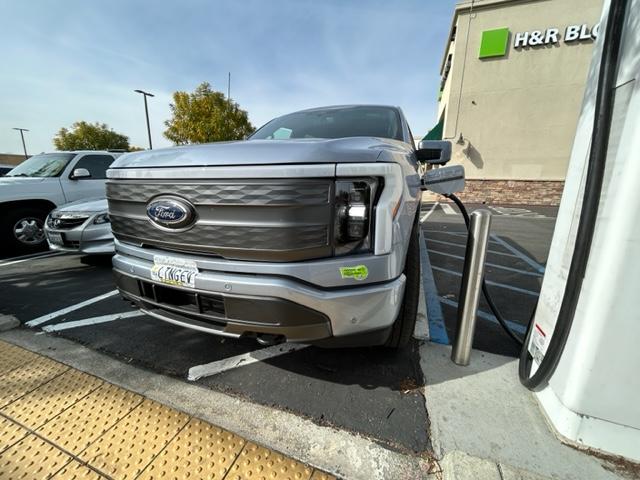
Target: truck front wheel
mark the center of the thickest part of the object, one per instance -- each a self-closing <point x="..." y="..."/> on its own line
<point x="23" y="229"/>
<point x="403" y="327"/>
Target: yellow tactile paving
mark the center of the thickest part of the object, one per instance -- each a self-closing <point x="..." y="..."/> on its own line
<point x="259" y="463"/>
<point x="78" y="426"/>
<point x="21" y="380"/>
<point x="31" y="459"/>
<point x="76" y="471"/>
<point x="10" y="433"/>
<point x="126" y="449"/>
<point x="51" y="398"/>
<point x="13" y="357"/>
<point x="199" y="451"/>
<point x="87" y="429"/>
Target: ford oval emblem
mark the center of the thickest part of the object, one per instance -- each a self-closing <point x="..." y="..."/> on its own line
<point x="171" y="212"/>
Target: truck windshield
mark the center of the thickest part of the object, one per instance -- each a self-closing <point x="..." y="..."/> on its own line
<point x="43" y="165"/>
<point x="337" y="122"/>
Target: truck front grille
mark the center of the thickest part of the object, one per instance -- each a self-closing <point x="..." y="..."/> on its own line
<point x="259" y="194"/>
<point x="274" y="220"/>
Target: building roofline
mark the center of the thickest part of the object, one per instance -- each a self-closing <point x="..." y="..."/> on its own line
<point x="468" y="5"/>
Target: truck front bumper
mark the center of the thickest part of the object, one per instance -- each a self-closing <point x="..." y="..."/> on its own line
<point x="244" y="304"/>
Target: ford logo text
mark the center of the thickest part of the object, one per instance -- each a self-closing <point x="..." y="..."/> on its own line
<point x="171" y="212"/>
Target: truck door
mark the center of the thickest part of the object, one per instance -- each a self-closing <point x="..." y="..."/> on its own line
<point x="79" y="188"/>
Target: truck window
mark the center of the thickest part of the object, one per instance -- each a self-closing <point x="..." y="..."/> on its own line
<point x="96" y="164"/>
<point x="43" y="165"/>
<point x="335" y="122"/>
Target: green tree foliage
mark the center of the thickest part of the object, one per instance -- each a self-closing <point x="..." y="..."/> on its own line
<point x="90" y="136"/>
<point x="205" y="116"/>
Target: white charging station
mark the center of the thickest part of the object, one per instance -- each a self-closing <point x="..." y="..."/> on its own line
<point x="593" y="398"/>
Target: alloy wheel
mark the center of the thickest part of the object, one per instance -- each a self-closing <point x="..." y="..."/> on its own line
<point x="29" y="231"/>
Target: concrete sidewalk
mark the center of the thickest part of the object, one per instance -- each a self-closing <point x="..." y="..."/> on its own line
<point x="58" y="422"/>
<point x="484" y="424"/>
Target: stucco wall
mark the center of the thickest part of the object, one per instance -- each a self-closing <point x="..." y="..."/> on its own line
<point x="517" y="114"/>
<point x="10" y="159"/>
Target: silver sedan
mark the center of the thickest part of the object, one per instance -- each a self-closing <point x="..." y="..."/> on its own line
<point x="80" y="227"/>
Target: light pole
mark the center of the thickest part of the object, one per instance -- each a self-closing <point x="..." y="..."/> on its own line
<point x="24" y="147"/>
<point x="146" y="112"/>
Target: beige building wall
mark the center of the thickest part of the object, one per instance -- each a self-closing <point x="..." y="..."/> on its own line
<point x="11" y="159"/>
<point x="514" y="117"/>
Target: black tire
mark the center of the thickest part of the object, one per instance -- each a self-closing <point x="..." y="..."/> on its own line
<point x="11" y="219"/>
<point x="403" y="327"/>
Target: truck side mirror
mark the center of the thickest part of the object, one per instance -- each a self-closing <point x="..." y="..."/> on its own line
<point x="434" y="152"/>
<point x="79" y="173"/>
<point x="445" y="180"/>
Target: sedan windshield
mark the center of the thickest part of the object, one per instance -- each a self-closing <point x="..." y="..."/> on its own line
<point x="338" y="122"/>
<point x="43" y="165"/>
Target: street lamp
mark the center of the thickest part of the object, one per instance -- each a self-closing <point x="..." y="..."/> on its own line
<point x="146" y="112"/>
<point x="24" y="147"/>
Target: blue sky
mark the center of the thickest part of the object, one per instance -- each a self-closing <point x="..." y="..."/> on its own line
<point x="81" y="60"/>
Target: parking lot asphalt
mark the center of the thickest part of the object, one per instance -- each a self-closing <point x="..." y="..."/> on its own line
<point x="516" y="257"/>
<point x="370" y="391"/>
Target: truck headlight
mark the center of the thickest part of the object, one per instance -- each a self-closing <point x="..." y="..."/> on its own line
<point x="353" y="213"/>
<point x="102" y="218"/>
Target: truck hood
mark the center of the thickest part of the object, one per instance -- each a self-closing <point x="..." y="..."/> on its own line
<point x="18" y="182"/>
<point x="264" y="152"/>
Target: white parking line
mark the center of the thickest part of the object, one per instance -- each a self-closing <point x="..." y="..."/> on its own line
<point x="515" y="251"/>
<point x="489" y="282"/>
<point x="431" y="210"/>
<point x="462" y="234"/>
<point x="487" y="316"/>
<point x="516" y="212"/>
<point x="33" y="256"/>
<point x="447" y="209"/>
<point x="91" y="321"/>
<point x="488" y="264"/>
<point x="214" y="368"/>
<point x="464" y="245"/>
<point x="45" y="318"/>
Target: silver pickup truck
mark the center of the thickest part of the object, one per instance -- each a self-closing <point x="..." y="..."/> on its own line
<point x="38" y="185"/>
<point x="306" y="232"/>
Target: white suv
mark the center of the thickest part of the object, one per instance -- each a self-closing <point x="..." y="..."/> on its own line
<point x="38" y="185"/>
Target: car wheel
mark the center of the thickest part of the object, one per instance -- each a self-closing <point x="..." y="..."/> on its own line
<point x="23" y="229"/>
<point x="403" y="327"/>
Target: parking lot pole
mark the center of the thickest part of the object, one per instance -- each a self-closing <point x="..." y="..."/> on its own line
<point x="477" y="241"/>
<point x="146" y="113"/>
<point x="24" y="146"/>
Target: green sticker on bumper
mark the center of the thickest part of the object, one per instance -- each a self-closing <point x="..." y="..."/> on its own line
<point x="359" y="272"/>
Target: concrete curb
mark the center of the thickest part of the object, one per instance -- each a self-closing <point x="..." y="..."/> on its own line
<point x="8" y="322"/>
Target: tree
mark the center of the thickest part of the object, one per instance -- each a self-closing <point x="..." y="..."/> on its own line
<point x="90" y="136"/>
<point x="205" y="116"/>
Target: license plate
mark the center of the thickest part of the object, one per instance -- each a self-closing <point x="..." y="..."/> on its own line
<point x="174" y="271"/>
<point x="56" y="238"/>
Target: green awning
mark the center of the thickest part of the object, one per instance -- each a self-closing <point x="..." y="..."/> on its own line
<point x="436" y="132"/>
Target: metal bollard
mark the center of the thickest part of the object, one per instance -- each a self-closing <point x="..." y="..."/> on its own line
<point x="477" y="241"/>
